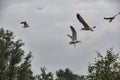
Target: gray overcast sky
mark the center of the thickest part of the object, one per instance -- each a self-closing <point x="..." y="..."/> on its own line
<point x="46" y="36"/>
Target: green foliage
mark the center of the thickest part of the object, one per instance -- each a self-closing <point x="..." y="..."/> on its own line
<point x="25" y="69"/>
<point x="105" y="68"/>
<point x="11" y="55"/>
<point x="16" y="65"/>
<point x="67" y="74"/>
<point x="44" y="75"/>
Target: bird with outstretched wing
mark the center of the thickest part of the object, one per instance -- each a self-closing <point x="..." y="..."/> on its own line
<point x="25" y="24"/>
<point x="81" y="20"/>
<point x="73" y="37"/>
<point x="111" y="18"/>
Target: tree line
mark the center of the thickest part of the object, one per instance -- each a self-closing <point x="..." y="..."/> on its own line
<point x="15" y="64"/>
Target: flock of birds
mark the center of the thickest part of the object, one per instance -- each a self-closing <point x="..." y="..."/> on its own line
<point x="86" y="27"/>
<point x="74" y="33"/>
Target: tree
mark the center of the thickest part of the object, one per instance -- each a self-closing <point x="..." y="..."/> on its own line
<point x="105" y="68"/>
<point x="25" y="69"/>
<point x="11" y="55"/>
<point x="44" y="75"/>
<point x="67" y="74"/>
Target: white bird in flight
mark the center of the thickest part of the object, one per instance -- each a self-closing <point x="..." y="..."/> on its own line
<point x="81" y="20"/>
<point x="73" y="37"/>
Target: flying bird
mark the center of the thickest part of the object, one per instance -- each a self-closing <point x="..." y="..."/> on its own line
<point x="39" y="8"/>
<point x="73" y="37"/>
<point x="25" y="24"/>
<point x="111" y="18"/>
<point x="86" y="26"/>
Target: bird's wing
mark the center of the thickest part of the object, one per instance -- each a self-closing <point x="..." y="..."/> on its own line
<point x="107" y="18"/>
<point x="110" y="20"/>
<point x="79" y="17"/>
<point x="21" y="22"/>
<point x="74" y="34"/>
<point x="117" y="14"/>
<point x="69" y="36"/>
<point x="26" y="25"/>
<point x="24" y="22"/>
